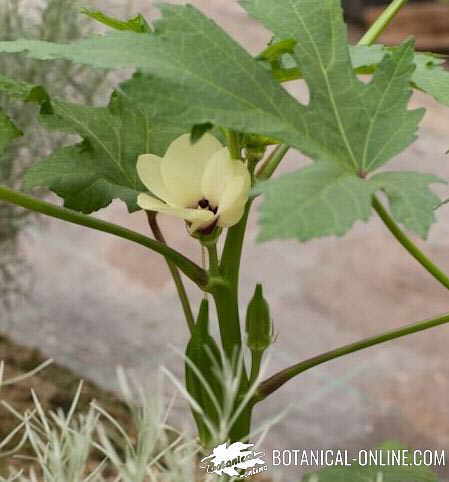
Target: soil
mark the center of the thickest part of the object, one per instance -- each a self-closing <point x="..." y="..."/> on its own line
<point x="54" y="385"/>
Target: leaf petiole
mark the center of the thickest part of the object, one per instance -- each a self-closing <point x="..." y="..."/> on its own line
<point x="180" y="288"/>
<point x="188" y="267"/>
<point x="382" y="22"/>
<point x="276" y="381"/>
<point x="409" y="245"/>
<point x="272" y="162"/>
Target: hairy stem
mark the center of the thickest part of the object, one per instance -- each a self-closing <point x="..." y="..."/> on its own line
<point x="382" y="22"/>
<point x="188" y="267"/>
<point x="276" y="381"/>
<point x="180" y="288"/>
<point x="409" y="245"/>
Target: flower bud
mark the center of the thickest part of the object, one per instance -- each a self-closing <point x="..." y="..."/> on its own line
<point x="259" y="329"/>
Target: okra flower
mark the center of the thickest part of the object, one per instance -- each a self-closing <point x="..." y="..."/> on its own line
<point x="199" y="183"/>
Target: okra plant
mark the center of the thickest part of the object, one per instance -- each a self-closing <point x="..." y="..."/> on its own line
<point x="198" y="133"/>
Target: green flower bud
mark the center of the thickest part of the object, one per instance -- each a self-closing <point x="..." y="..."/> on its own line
<point x="259" y="329"/>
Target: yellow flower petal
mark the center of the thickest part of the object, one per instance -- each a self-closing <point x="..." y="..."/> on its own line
<point x="150" y="203"/>
<point x="149" y="170"/>
<point x="199" y="218"/>
<point x="183" y="167"/>
<point x="218" y="171"/>
<point x="231" y="216"/>
<point x="234" y="197"/>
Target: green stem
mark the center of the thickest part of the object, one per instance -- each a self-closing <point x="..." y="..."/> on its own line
<point x="409" y="245"/>
<point x="226" y="301"/>
<point x="233" y="143"/>
<point x="228" y="320"/>
<point x="214" y="268"/>
<point x="188" y="267"/>
<point x="256" y="361"/>
<point x="382" y="22"/>
<point x="180" y="288"/>
<point x="231" y="338"/>
<point x="271" y="164"/>
<point x="227" y="308"/>
<point x="232" y="251"/>
<point x="276" y="381"/>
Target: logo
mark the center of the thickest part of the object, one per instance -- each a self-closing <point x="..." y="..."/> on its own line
<point x="234" y="460"/>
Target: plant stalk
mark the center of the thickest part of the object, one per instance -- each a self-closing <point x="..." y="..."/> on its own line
<point x="233" y="143"/>
<point x="409" y="245"/>
<point x="232" y="251"/>
<point x="227" y="308"/>
<point x="276" y="381"/>
<point x="382" y="22"/>
<point x="256" y="361"/>
<point x="188" y="267"/>
<point x="226" y="302"/>
<point x="272" y="162"/>
<point x="180" y="288"/>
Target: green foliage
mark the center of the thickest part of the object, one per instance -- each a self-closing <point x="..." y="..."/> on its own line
<point x="8" y="132"/>
<point x="136" y="24"/>
<point x="190" y="52"/>
<point x="190" y="57"/>
<point x="88" y="176"/>
<point x="198" y="131"/>
<point x="411" y="201"/>
<point x="430" y="75"/>
<point x="326" y="199"/>
<point x="373" y="473"/>
<point x="24" y="91"/>
<point x="322" y="199"/>
<point x="349" y="127"/>
<point x="346" y="116"/>
<point x="363" y="125"/>
<point x="51" y="20"/>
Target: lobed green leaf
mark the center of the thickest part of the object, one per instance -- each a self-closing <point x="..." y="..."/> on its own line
<point x="430" y="75"/>
<point x="350" y="120"/>
<point x="89" y="175"/>
<point x="411" y="201"/>
<point x="320" y="200"/>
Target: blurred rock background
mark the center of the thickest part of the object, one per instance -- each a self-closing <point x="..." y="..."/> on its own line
<point x="96" y="302"/>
